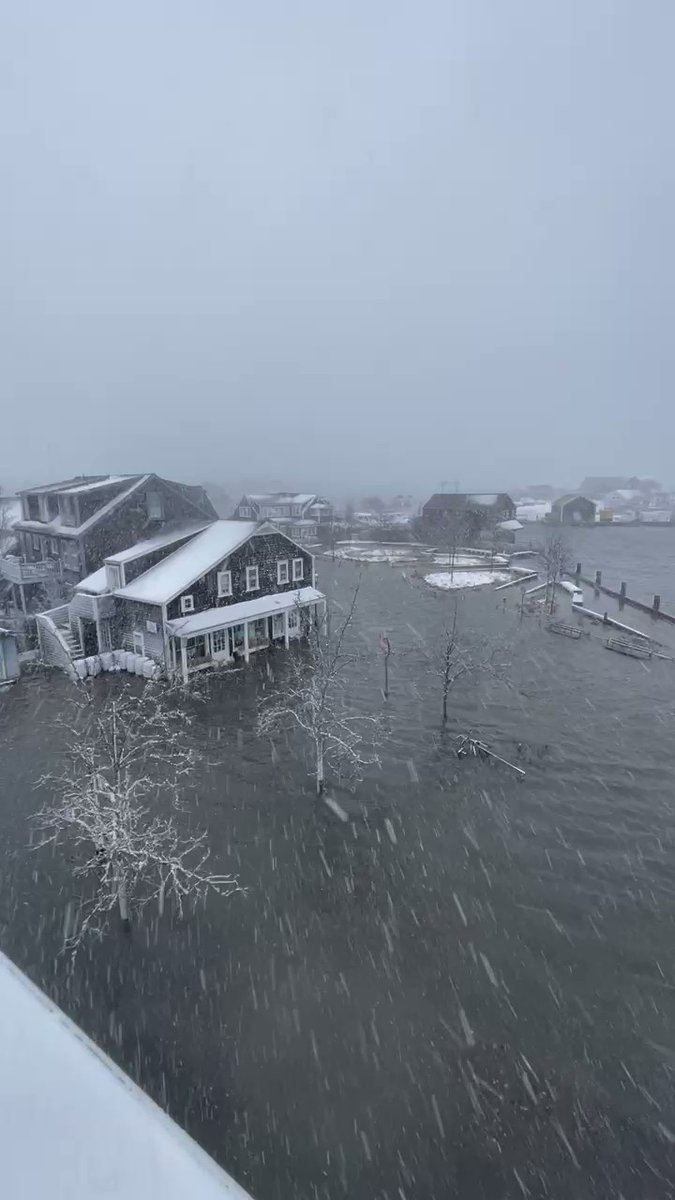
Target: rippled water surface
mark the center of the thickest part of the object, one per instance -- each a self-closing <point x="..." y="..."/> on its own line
<point x="466" y="989"/>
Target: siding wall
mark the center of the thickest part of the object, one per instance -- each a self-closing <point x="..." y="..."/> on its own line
<point x="263" y="551"/>
<point x="130" y="618"/>
<point x="130" y="523"/>
<point x="139" y="565"/>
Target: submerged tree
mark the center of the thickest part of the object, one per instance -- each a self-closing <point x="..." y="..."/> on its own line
<point x="460" y="656"/>
<point x="313" y="697"/>
<point x="117" y="802"/>
<point x="557" y="559"/>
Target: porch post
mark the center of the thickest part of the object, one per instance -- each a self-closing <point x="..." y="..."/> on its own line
<point x="246" y="650"/>
<point x="209" y="646"/>
<point x="183" y="660"/>
<point x="23" y="598"/>
<point x="98" y="626"/>
<point x="286" y="639"/>
<point x="80" y="630"/>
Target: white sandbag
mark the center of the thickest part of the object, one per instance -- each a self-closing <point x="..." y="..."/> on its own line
<point x="120" y="659"/>
<point x="148" y="668"/>
<point x="129" y="660"/>
<point x="107" y="660"/>
<point x="93" y="665"/>
<point x="138" y="665"/>
<point x="80" y="668"/>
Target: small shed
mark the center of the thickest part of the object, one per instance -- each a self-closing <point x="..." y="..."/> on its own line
<point x="9" y="657"/>
<point x="573" y="510"/>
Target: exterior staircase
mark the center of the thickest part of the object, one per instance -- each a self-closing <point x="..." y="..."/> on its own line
<point x="71" y="639"/>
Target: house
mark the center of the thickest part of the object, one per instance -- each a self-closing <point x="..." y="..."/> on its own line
<point x="68" y="529"/>
<point x="89" y="626"/>
<point x="573" y="510"/>
<point x="298" y="513"/>
<point x="194" y="598"/>
<point x="443" y="507"/>
<point x="9" y="657"/>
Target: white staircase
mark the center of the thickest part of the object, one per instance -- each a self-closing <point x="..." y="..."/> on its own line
<point x="71" y="639"/>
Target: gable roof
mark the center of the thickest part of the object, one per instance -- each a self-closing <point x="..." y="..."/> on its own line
<point x="51" y="528"/>
<point x="562" y="501"/>
<point x="442" y="501"/>
<point x="177" y="571"/>
<point x="165" y="538"/>
<point x="196" y="497"/>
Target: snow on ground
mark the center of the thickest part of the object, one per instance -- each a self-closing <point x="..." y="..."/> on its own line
<point x="73" y="1125"/>
<point x="465" y="579"/>
<point x="378" y="552"/>
<point x="467" y="560"/>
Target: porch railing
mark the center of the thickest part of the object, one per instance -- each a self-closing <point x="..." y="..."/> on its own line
<point x="17" y="570"/>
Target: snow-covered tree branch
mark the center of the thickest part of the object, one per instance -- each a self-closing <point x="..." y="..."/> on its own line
<point x="312" y="697"/>
<point x="557" y="559"/>
<point x="117" y="802"/>
<point x="460" y="655"/>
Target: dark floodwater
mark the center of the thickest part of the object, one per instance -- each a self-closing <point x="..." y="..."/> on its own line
<point x="643" y="558"/>
<point x="466" y="990"/>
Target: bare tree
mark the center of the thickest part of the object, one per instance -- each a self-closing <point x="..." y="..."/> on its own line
<point x="312" y="697"/>
<point x="123" y="760"/>
<point x="460" y="656"/>
<point x="557" y="558"/>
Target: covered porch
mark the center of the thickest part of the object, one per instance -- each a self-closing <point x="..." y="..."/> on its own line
<point x="236" y="631"/>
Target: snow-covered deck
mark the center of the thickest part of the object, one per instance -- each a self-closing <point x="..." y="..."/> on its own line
<point x="73" y="1125"/>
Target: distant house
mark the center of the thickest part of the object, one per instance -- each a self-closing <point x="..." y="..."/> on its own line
<point x="600" y="486"/>
<point x="573" y="510"/>
<point x="495" y="506"/>
<point x="9" y="657"/>
<point x="299" y="514"/>
<point x="192" y="599"/>
<point x="68" y="529"/>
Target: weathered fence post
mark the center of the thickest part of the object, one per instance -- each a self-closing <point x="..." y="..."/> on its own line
<point x="657" y="604"/>
<point x="622" y="595"/>
<point x="598" y="579"/>
<point x="578" y="571"/>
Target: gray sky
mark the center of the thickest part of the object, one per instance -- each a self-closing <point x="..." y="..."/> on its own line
<point x="337" y="245"/>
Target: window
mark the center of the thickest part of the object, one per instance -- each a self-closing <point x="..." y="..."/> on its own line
<point x="293" y="619"/>
<point x="245" y="511"/>
<point x="252" y="584"/>
<point x="282" y="570"/>
<point x="113" y="574"/>
<point x="187" y="604"/>
<point x="139" y="643"/>
<point x="151" y="626"/>
<point x="155" y="506"/>
<point x="219" y="642"/>
<point x="224" y="584"/>
<point x="298" y="569"/>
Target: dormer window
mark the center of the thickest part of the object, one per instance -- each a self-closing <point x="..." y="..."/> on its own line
<point x="113" y="574"/>
<point x="155" y="506"/>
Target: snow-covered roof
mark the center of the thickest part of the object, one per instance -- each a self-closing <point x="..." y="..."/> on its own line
<point x="109" y="481"/>
<point x="73" y="1125"/>
<point x="510" y="525"/>
<point x="282" y="497"/>
<point x="247" y="610"/>
<point x="165" y="538"/>
<point x="55" y="528"/>
<point x="176" y="572"/>
<point x="96" y="583"/>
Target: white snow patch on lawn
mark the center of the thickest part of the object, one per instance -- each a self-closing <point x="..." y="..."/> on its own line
<point x="465" y="579"/>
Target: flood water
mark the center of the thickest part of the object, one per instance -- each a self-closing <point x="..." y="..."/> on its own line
<point x="468" y="988"/>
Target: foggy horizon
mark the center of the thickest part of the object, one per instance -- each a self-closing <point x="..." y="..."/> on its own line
<point x="337" y="249"/>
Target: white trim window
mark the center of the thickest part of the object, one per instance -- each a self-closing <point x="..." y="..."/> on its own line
<point x="187" y="604"/>
<point x="298" y="569"/>
<point x="224" y="584"/>
<point x="282" y="570"/>
<point x="219" y="641"/>
<point x="139" y="643"/>
<point x="293" y="620"/>
<point x="245" y="511"/>
<point x="252" y="582"/>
